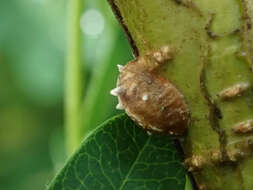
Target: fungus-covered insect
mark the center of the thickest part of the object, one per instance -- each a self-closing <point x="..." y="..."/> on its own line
<point x="148" y="98"/>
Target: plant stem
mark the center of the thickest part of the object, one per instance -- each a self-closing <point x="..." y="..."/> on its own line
<point x="212" y="67"/>
<point x="74" y="77"/>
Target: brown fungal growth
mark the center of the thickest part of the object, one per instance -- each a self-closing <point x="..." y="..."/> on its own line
<point x="202" y="187"/>
<point x="243" y="127"/>
<point x="194" y="163"/>
<point x="148" y="98"/>
<point x="216" y="156"/>
<point x="236" y="151"/>
<point x="233" y="91"/>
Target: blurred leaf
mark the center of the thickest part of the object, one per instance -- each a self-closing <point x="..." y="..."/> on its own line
<point x="120" y="155"/>
<point x="32" y="47"/>
<point x="99" y="105"/>
<point x="32" y="42"/>
<point x="101" y="54"/>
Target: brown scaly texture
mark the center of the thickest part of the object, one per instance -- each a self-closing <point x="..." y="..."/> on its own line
<point x="150" y="99"/>
<point x="212" y="67"/>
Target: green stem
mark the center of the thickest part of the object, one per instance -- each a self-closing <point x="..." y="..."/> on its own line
<point x="212" y="67"/>
<point x="74" y="77"/>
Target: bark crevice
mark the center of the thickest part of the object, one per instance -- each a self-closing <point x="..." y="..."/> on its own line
<point x="214" y="112"/>
<point x="117" y="13"/>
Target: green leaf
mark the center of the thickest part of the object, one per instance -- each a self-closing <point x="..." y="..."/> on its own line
<point x="119" y="155"/>
<point x="188" y="184"/>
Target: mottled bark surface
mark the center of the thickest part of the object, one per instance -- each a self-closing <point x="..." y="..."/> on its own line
<point x="212" y="67"/>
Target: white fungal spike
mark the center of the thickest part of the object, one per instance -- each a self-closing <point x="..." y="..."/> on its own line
<point x="154" y="128"/>
<point x="120" y="67"/>
<point x="149" y="133"/>
<point x="158" y="56"/>
<point x="119" y="106"/>
<point x="165" y="49"/>
<point x="145" y="97"/>
<point x="116" y="91"/>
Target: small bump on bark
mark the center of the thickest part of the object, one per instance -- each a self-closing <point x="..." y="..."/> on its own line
<point x="233" y="91"/>
<point x="243" y="127"/>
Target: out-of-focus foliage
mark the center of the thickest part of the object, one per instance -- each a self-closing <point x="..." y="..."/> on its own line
<point x="32" y="56"/>
<point x="102" y="53"/>
<point x="31" y="86"/>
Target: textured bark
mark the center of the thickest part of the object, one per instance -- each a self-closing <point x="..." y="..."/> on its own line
<point x="213" y="69"/>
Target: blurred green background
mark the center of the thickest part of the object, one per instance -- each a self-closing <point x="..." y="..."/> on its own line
<point x="32" y="67"/>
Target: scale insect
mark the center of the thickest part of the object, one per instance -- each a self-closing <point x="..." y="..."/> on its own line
<point x="150" y="99"/>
